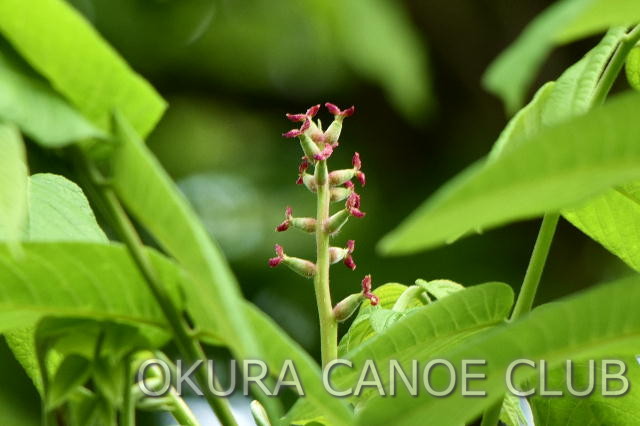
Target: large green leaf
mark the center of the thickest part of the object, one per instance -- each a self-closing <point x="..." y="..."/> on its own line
<point x="597" y="409"/>
<point x="510" y="75"/>
<point x="579" y="327"/>
<point x="13" y="183"/>
<point x="62" y="46"/>
<point x="613" y="220"/>
<point x="598" y="15"/>
<point x="150" y="195"/>
<point x="81" y="280"/>
<point x="558" y="168"/>
<point x="424" y="333"/>
<point x="58" y="211"/>
<point x="36" y="108"/>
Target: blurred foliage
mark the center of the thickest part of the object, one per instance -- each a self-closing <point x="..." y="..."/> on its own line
<point x="230" y="70"/>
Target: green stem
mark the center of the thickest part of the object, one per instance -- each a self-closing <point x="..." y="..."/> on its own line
<point x="328" y="324"/>
<point x="550" y="221"/>
<point x="181" y="411"/>
<point x="189" y="348"/>
<point x="614" y="67"/>
<point x="528" y="291"/>
<point x="128" y="406"/>
<point x="536" y="265"/>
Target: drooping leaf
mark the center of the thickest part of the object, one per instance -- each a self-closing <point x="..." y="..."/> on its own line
<point x="421" y="335"/>
<point x="62" y="46"/>
<point x="558" y="168"/>
<point x="214" y="298"/>
<point x="576" y="328"/>
<point x="13" y="184"/>
<point x="597" y="16"/>
<point x="510" y="75"/>
<point x="41" y="113"/>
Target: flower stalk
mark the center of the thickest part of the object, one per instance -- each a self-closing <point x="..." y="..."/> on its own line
<point x="328" y="187"/>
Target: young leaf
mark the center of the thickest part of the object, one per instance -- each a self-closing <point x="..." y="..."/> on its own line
<point x="62" y="46"/>
<point x="361" y="328"/>
<point x="510" y="75"/>
<point x="576" y="328"/>
<point x="632" y="68"/>
<point x="214" y="298"/>
<point x="13" y="184"/>
<point x="598" y="15"/>
<point x="73" y="372"/>
<point x="41" y="113"/>
<point x="422" y="334"/>
<point x="558" y="168"/>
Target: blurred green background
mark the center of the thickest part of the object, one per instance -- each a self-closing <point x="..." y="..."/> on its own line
<point x="231" y="69"/>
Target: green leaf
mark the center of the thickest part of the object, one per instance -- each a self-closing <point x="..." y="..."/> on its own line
<point x="73" y="372"/>
<point x="214" y="298"/>
<point x="41" y="113"/>
<point x="560" y="167"/>
<point x="59" y="211"/>
<point x="13" y="184"/>
<point x="579" y="327"/>
<point x="632" y="68"/>
<point x="421" y="335"/>
<point x="596" y="409"/>
<point x="510" y="75"/>
<point x="597" y="16"/>
<point x="440" y="288"/>
<point x="377" y="39"/>
<point x="361" y="328"/>
<point x="82" y="280"/>
<point x="62" y="46"/>
<point x="611" y="219"/>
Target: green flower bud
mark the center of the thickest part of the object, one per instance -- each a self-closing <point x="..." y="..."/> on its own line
<point x="347" y="307"/>
<point x="336" y="221"/>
